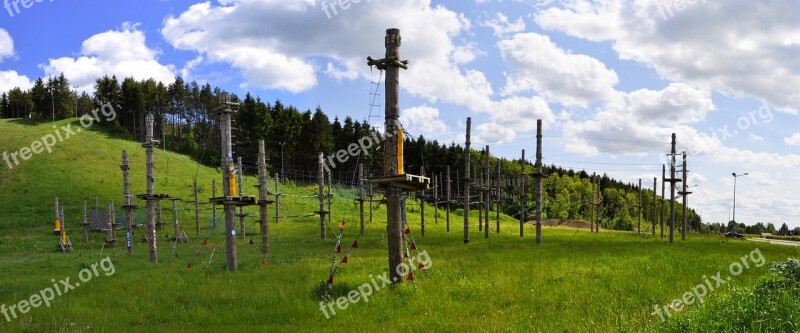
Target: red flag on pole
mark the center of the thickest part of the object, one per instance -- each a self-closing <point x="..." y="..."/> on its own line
<point x="338" y="248"/>
<point x="355" y="244"/>
<point x="410" y="276"/>
<point x="413" y="246"/>
<point x="421" y="266"/>
<point x="344" y="259"/>
<point x="330" y="279"/>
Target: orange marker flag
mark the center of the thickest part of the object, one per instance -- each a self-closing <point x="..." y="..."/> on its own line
<point x="341" y="226"/>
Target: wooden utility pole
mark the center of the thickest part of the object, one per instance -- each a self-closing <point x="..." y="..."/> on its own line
<point x="467" y="180"/>
<point x="213" y="205"/>
<point x="263" y="201"/>
<point x="196" y="208"/>
<point x="361" y="196"/>
<point x="321" y="196"/>
<point x="487" y="192"/>
<point x="128" y="206"/>
<point x="479" y="187"/>
<point x="685" y="194"/>
<point x="447" y="198"/>
<point x="394" y="178"/>
<point x="523" y="197"/>
<point x="655" y="203"/>
<point x="539" y="175"/>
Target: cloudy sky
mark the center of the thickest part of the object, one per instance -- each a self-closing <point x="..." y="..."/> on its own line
<point x="610" y="79"/>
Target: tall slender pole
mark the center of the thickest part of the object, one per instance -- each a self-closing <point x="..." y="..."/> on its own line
<point x="86" y="227"/>
<point x="361" y="196"/>
<point x="321" y="196"/>
<point x="498" y="198"/>
<point x="422" y="204"/>
<point x="447" y="198"/>
<point x="128" y="207"/>
<point x="262" y="197"/>
<point x="539" y="176"/>
<point x="277" y="199"/>
<point x="149" y="144"/>
<point x="523" y="197"/>
<point x="594" y="202"/>
<point x="228" y="190"/>
<point x="467" y="180"/>
<point x="176" y="227"/>
<point x="436" y="189"/>
<point x="655" y="203"/>
<point x="330" y="197"/>
<point x="734" y="198"/>
<point x="685" y="194"/>
<point x="488" y="192"/>
<point x="672" y="191"/>
<point x="641" y="206"/>
<point x="663" y="197"/>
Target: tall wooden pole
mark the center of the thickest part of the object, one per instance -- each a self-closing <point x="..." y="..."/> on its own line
<point x="467" y="180"/>
<point x="361" y="196"/>
<point x="685" y="193"/>
<point x="488" y="192"/>
<point x="111" y="236"/>
<point x="370" y="195"/>
<point x="321" y="196"/>
<point x="655" y="203"/>
<point x="128" y="207"/>
<point x="86" y="227"/>
<point x="436" y="189"/>
<point x="594" y="201"/>
<point x="479" y="188"/>
<point x="498" y="197"/>
<point x="278" y="198"/>
<point x="447" y="198"/>
<point x="672" y="191"/>
<point x="539" y="176"/>
<point x="330" y="197"/>
<point x="523" y="197"/>
<point x="226" y="153"/>
<point x="149" y="144"/>
<point x="663" y="197"/>
<point x="422" y="204"/>
<point x="262" y="197"/>
<point x="597" y="205"/>
<point x="641" y="206"/>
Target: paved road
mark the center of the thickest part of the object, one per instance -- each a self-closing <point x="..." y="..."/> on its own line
<point x="775" y="241"/>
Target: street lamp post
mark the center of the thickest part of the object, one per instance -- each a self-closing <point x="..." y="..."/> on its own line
<point x="734" y="192"/>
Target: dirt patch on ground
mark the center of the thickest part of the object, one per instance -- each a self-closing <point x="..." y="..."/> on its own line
<point x="564" y="223"/>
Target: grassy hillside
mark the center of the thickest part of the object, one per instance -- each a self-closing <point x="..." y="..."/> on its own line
<point x="576" y="281"/>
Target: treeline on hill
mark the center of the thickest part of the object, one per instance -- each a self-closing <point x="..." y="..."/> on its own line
<point x="759" y="228"/>
<point x="186" y="122"/>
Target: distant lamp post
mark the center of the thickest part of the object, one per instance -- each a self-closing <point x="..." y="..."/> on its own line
<point x="734" y="192"/>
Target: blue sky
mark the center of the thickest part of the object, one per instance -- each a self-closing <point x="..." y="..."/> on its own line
<point x="612" y="80"/>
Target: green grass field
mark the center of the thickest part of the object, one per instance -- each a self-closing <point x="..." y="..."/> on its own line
<point x="575" y="282"/>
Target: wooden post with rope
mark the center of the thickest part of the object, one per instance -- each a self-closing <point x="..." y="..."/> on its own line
<point x="672" y="180"/>
<point x="111" y="235"/>
<point x="685" y="195"/>
<point x="655" y="203"/>
<point x="321" y="196"/>
<point x="422" y="204"/>
<point x="447" y="199"/>
<point x="538" y="175"/>
<point x="277" y="198"/>
<point x="498" y="197"/>
<point x="263" y="201"/>
<point x="213" y="205"/>
<point x="640" y="206"/>
<point x="487" y="193"/>
<point x="663" y="201"/>
<point x="196" y="208"/>
<point x="361" y="196"/>
<point x="152" y="199"/>
<point x="394" y="179"/>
